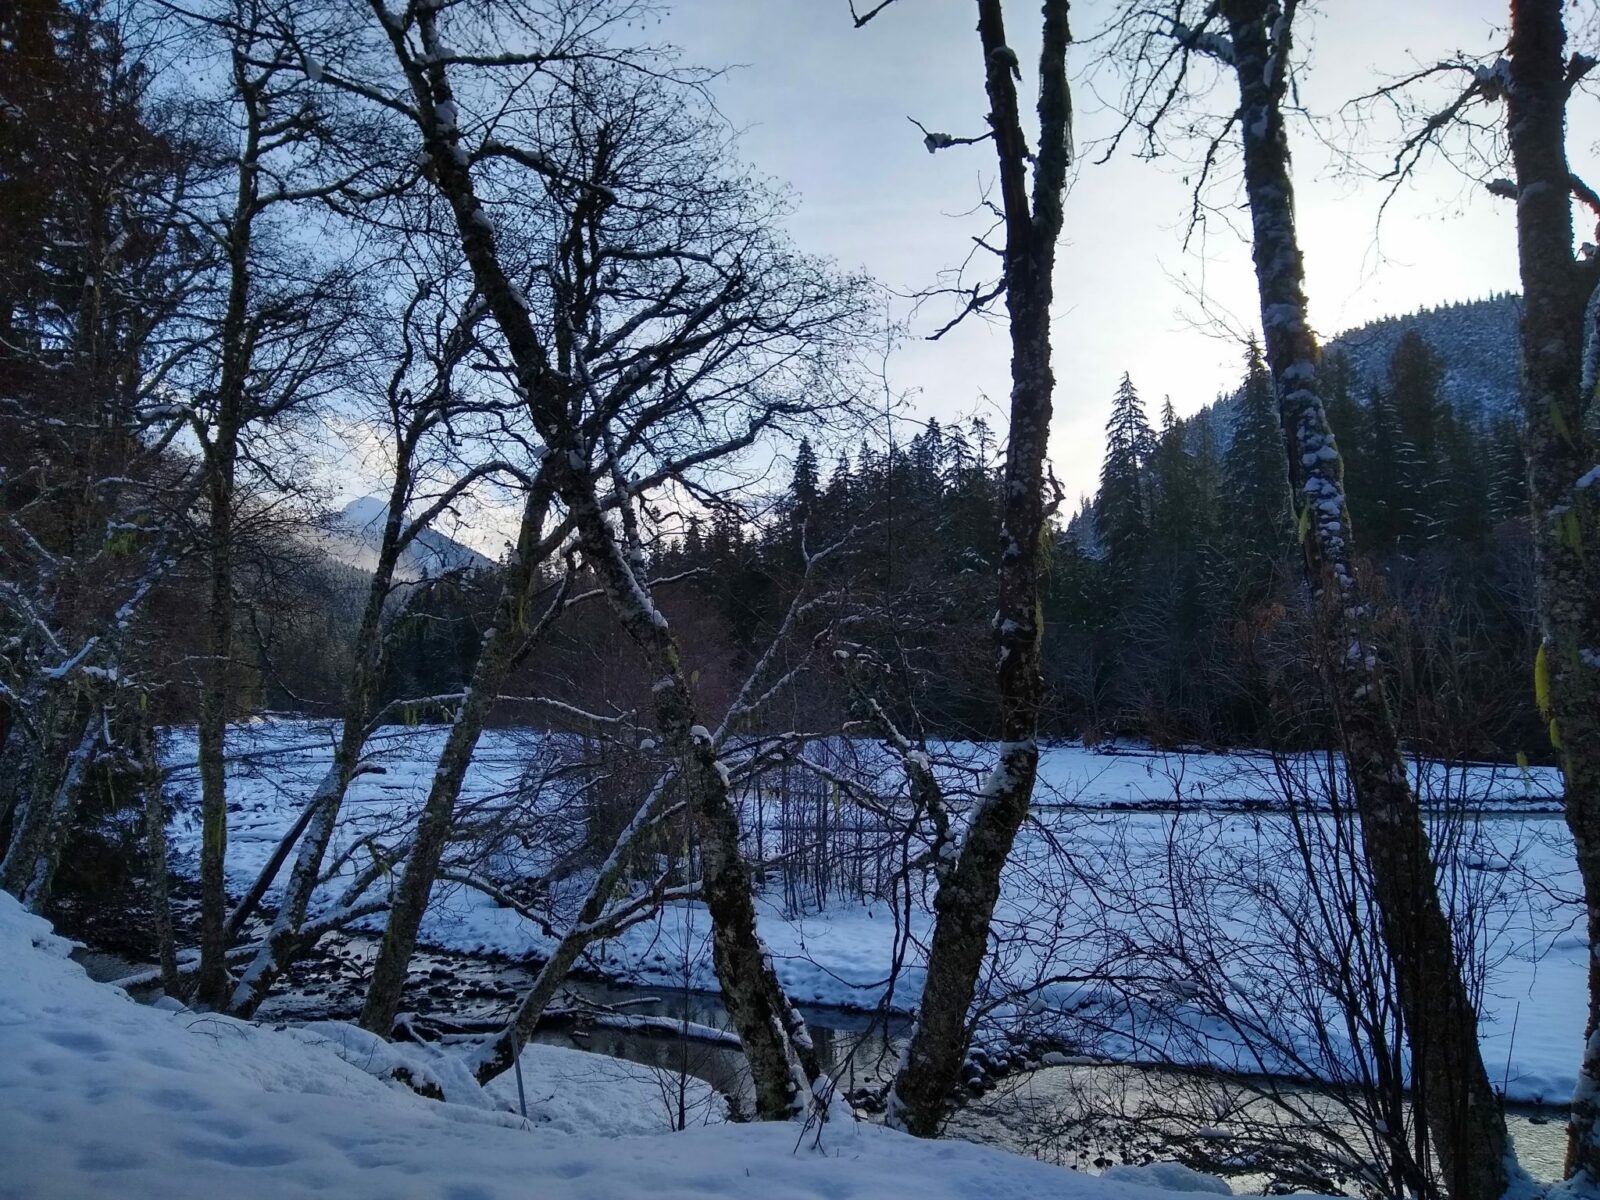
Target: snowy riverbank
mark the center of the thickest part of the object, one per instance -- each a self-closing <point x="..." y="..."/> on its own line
<point x="103" y="1096"/>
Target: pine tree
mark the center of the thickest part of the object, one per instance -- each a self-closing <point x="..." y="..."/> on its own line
<point x="1508" y="471"/>
<point x="694" y="542"/>
<point x="805" y="484"/>
<point x="1413" y="391"/>
<point x="1173" y="495"/>
<point x="1464" y="504"/>
<point x="801" y="506"/>
<point x="1257" y="486"/>
<point x="1381" y="508"/>
<point x="1206" y="472"/>
<point x="1346" y="416"/>
<point x="1123" y="513"/>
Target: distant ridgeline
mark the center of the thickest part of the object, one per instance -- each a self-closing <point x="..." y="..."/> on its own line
<point x="1475" y="345"/>
<point x="1475" y="341"/>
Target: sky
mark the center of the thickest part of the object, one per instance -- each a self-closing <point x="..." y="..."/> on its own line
<point x="823" y="107"/>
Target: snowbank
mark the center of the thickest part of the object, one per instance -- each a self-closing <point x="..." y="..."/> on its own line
<point x="102" y="1096"/>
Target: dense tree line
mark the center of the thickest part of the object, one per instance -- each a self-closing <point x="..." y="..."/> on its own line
<point x="1174" y="608"/>
<point x="1171" y="603"/>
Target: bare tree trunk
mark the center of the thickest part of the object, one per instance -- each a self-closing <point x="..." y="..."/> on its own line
<point x="501" y="642"/>
<point x="29" y="761"/>
<point x="588" y="926"/>
<point x="1561" y="451"/>
<point x="766" y="1022"/>
<point x="211" y="981"/>
<point x="44" y="819"/>
<point x="1450" y="1084"/>
<point x="155" y="828"/>
<point x="965" y="901"/>
<point x="221" y="461"/>
<point x="759" y="1011"/>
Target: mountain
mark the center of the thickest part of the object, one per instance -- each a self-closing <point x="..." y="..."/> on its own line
<point x="354" y="534"/>
<point x="1476" y="342"/>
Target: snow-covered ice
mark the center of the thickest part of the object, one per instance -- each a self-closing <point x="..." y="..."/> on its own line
<point x="1533" y="1007"/>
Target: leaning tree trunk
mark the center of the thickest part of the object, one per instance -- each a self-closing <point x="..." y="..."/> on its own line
<point x="782" y="1067"/>
<point x="1563" y="477"/>
<point x="285" y="940"/>
<point x="51" y="760"/>
<point x="15" y="762"/>
<point x="965" y="900"/>
<point x="500" y="1052"/>
<point x="761" y="1014"/>
<point x="1450" y="1083"/>
<point x="44" y="819"/>
<point x="30" y="763"/>
<point x="507" y="633"/>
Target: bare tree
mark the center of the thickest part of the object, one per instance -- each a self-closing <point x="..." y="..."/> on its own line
<point x="656" y="305"/>
<point x="602" y="914"/>
<point x="1254" y="40"/>
<point x="1560" y="356"/>
<point x="423" y="405"/>
<point x="275" y="342"/>
<point x="507" y="637"/>
<point x="969" y="885"/>
<point x="1502" y="113"/>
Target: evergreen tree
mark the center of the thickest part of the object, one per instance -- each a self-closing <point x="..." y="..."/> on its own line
<point x="1381" y="509"/>
<point x="1413" y="392"/>
<point x="801" y="507"/>
<point x="1206" y="472"/>
<point x="927" y="461"/>
<point x="1345" y="415"/>
<point x="1464" y="504"/>
<point x="1257" y="485"/>
<point x="1507" y="471"/>
<point x="1173" y="496"/>
<point x="805" y="485"/>
<point x="1123" y="511"/>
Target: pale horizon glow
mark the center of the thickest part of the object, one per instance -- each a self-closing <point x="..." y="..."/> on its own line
<point x="823" y="108"/>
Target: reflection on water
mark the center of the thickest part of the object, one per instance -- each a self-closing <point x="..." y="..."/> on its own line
<point x="856" y="1047"/>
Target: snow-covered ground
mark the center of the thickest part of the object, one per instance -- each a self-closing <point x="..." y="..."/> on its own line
<point x="103" y="1096"/>
<point x="1100" y="828"/>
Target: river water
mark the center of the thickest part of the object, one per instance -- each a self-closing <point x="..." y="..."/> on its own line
<point x="1086" y="1116"/>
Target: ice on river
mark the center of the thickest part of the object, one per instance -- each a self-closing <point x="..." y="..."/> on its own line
<point x="1103" y="822"/>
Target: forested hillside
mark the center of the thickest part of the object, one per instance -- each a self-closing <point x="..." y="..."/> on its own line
<point x="1175" y="601"/>
<point x="1476" y="341"/>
